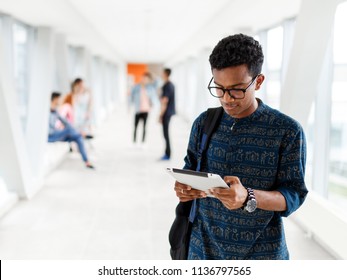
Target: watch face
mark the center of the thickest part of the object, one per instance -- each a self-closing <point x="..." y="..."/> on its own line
<point x="251" y="205"/>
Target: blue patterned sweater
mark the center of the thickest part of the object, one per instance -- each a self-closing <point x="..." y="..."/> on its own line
<point x="267" y="151"/>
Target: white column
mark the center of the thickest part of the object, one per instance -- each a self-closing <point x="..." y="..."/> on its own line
<point x="7" y="199"/>
<point x="122" y="81"/>
<point x="176" y="78"/>
<point x="184" y="89"/>
<point x="312" y="34"/>
<point x="263" y="42"/>
<point x="97" y="90"/>
<point x="14" y="165"/>
<point x="62" y="63"/>
<point x="79" y="67"/>
<point x="322" y="123"/>
<point x="191" y="89"/>
<point x="115" y="81"/>
<point x="112" y="83"/>
<point x="201" y="84"/>
<point x="41" y="82"/>
<point x="83" y="67"/>
<point x="204" y="99"/>
<point x="102" y="86"/>
<point x="7" y="45"/>
<point x="108" y="87"/>
<point x="288" y="35"/>
<point x="106" y="92"/>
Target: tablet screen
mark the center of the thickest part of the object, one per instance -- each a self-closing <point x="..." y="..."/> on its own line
<point x="190" y="172"/>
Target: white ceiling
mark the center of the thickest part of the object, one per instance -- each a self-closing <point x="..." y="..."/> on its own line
<point x="150" y="30"/>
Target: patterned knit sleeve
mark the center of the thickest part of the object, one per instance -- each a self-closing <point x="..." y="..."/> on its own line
<point x="193" y="144"/>
<point x="291" y="174"/>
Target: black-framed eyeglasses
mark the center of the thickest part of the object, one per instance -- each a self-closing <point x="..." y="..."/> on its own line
<point x="236" y="93"/>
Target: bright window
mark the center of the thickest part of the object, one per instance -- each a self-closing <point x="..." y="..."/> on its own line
<point x="340" y="38"/>
<point x="274" y="48"/>
<point x="337" y="188"/>
<point x="338" y="144"/>
<point x="274" y="53"/>
<point x="20" y="43"/>
<point x="310" y="145"/>
<point x="72" y="63"/>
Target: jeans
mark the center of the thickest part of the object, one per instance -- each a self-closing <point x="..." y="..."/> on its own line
<point x="166" y="122"/>
<point x="69" y="134"/>
<point x="138" y="117"/>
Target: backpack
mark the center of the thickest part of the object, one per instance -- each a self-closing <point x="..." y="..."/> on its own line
<point x="180" y="231"/>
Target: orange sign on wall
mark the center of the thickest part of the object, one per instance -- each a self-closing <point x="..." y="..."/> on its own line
<point x="137" y="71"/>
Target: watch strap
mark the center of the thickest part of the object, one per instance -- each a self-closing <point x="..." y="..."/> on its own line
<point x="250" y="196"/>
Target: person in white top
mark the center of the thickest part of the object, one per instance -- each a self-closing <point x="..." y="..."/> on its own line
<point x="143" y="97"/>
<point x="82" y="107"/>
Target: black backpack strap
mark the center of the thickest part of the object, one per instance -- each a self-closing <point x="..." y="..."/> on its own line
<point x="212" y="119"/>
<point x="179" y="235"/>
<point x="211" y="123"/>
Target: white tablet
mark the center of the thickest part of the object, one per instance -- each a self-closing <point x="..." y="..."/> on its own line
<point x="198" y="180"/>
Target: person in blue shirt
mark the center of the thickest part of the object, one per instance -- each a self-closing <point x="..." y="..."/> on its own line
<point x="168" y="109"/>
<point x="61" y="130"/>
<point x="258" y="150"/>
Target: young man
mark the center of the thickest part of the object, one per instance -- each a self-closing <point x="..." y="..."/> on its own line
<point x="143" y="96"/>
<point x="259" y="151"/>
<point x="167" y="109"/>
<point x="61" y="130"/>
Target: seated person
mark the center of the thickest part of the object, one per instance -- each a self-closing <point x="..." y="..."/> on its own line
<point x="61" y="130"/>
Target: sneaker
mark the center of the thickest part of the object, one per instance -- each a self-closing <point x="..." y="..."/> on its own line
<point x="90" y="166"/>
<point x="165" y="157"/>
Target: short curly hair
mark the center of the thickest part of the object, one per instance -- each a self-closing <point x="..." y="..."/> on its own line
<point x="237" y="50"/>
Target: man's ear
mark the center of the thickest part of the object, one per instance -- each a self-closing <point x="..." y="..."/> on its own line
<point x="259" y="81"/>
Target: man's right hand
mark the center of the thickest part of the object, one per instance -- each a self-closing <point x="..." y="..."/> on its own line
<point x="186" y="193"/>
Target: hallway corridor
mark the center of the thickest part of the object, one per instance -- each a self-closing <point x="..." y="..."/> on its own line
<point x="121" y="210"/>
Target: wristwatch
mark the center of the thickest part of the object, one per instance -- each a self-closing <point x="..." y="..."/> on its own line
<point x="250" y="203"/>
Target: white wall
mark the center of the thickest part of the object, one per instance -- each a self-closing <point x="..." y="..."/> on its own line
<point x="14" y="164"/>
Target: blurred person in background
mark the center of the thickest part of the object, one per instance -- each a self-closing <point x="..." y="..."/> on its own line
<point x="77" y="108"/>
<point x="143" y="97"/>
<point x="61" y="130"/>
<point x="67" y="112"/>
<point x="66" y="109"/>
<point x="168" y="109"/>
